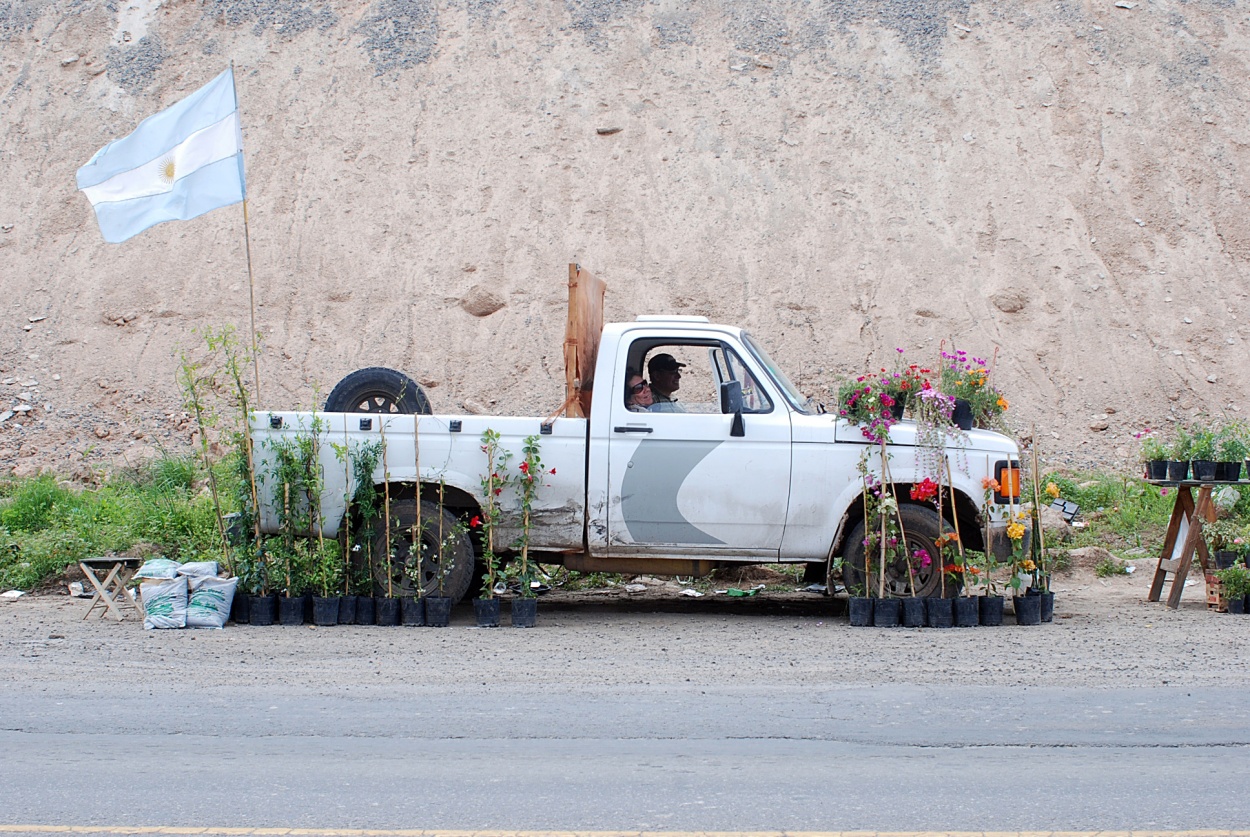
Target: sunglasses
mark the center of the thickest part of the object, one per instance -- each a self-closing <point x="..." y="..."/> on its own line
<point x="639" y="387"/>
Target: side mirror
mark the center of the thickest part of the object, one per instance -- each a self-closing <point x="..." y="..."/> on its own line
<point x="731" y="402"/>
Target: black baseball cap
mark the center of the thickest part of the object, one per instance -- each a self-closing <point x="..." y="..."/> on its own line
<point x="664" y="362"/>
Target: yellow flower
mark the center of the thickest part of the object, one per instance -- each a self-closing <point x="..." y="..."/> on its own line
<point x="1029" y="566"/>
<point x="1015" y="531"/>
<point x="1052" y="490"/>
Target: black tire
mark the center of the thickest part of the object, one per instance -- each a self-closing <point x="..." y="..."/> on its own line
<point x="378" y="390"/>
<point x="921" y="523"/>
<point x="405" y="577"/>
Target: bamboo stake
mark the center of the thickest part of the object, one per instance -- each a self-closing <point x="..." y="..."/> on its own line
<point x="386" y="508"/>
<point x="417" y="531"/>
<point x="347" y="512"/>
<point x="286" y="512"/>
<point x="881" y="569"/>
<point x="1037" y="517"/>
<point x="902" y="529"/>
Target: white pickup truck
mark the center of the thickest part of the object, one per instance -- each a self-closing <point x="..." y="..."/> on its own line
<point x="750" y="471"/>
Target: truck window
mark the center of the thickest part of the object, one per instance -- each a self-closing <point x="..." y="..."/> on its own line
<point x="686" y="378"/>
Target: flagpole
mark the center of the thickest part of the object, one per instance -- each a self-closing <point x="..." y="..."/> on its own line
<point x="247" y="245"/>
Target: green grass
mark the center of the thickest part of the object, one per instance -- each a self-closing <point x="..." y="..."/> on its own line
<point x="46" y="526"/>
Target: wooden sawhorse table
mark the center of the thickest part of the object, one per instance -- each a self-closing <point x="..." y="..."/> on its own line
<point x="1184" y="538"/>
<point x="112" y="595"/>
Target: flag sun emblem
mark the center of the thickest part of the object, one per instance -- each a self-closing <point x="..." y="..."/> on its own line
<point x="167" y="171"/>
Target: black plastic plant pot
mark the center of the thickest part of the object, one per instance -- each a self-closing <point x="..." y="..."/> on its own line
<point x="961" y="416"/>
<point x="1028" y="610"/>
<point x="325" y="610"/>
<point x="1157" y="469"/>
<point x="1224" y="558"/>
<point x="386" y="611"/>
<point x="262" y="610"/>
<point x="885" y="612"/>
<point x="365" y="611"/>
<point x="967" y="612"/>
<point x="1048" y="607"/>
<point x="860" y="610"/>
<point x="239" y="608"/>
<point x="414" y="611"/>
<point x="1203" y="470"/>
<point x="524" y="613"/>
<point x="939" y="612"/>
<point x="486" y="612"/>
<point x="347" y="610"/>
<point x="437" y="611"/>
<point x="990" y="610"/>
<point x="291" y="610"/>
<point x="913" y="613"/>
<point x="1237" y="605"/>
<point x="1232" y="471"/>
<point x="1178" y="471"/>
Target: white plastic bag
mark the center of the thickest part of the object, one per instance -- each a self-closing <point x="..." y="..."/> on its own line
<point x="158" y="568"/>
<point x="210" y="600"/>
<point x="198" y="568"/>
<point x="164" y="603"/>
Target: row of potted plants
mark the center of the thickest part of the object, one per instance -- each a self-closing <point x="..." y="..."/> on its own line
<point x="959" y="571"/>
<point x="1200" y="451"/>
<point x="1235" y="586"/>
<point x="956" y="390"/>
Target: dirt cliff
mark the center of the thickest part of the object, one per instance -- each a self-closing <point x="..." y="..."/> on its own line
<point x="1064" y="183"/>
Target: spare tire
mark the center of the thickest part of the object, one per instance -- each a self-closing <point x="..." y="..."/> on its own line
<point x="378" y="390"/>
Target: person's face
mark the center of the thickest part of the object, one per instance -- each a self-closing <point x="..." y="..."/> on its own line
<point x="640" y="391"/>
<point x="666" y="381"/>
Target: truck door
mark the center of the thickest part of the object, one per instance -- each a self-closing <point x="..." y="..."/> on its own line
<point x="679" y="482"/>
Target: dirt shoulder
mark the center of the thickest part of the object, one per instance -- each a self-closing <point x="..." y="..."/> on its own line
<point x="1105" y="634"/>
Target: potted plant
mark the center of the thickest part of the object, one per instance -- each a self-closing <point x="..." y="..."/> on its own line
<point x="327" y="572"/>
<point x="486" y="605"/>
<point x="528" y="480"/>
<point x="867" y="401"/>
<point x="1178" y="456"/>
<point x="968" y="380"/>
<point x="1154" y="456"/>
<point x="1235" y="585"/>
<point x="1230" y="452"/>
<point x="1225" y="538"/>
<point x="1202" y="454"/>
<point x="1028" y="608"/>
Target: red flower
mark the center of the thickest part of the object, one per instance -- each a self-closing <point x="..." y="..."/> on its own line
<point x="924" y="490"/>
<point x="525" y="467"/>
<point x="475" y="522"/>
<point x="553" y="470"/>
<point x="498" y="491"/>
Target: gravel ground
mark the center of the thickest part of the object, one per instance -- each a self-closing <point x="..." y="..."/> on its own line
<point x="1105" y="634"/>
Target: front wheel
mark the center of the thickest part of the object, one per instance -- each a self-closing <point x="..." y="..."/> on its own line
<point x="403" y="575"/>
<point x="923" y="528"/>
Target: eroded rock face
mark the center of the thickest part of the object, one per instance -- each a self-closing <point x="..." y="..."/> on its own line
<point x="851" y="179"/>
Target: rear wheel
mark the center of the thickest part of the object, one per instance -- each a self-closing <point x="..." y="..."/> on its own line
<point x="923" y="527"/>
<point x="378" y="390"/>
<point x="404" y="574"/>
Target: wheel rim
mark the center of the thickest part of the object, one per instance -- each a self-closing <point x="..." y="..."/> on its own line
<point x="376" y="402"/>
<point x="928" y="581"/>
<point x="403" y="570"/>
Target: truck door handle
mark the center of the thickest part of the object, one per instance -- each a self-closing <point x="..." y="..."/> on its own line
<point x="632" y="429"/>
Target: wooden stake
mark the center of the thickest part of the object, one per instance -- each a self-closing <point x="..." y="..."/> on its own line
<point x="347" y="512"/>
<point x="386" y="508"/>
<point x="1037" y="518"/>
<point x="417" y="531"/>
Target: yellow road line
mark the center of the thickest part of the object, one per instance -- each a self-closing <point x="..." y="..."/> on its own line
<point x="210" y="831"/>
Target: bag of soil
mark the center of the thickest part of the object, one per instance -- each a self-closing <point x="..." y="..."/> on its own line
<point x="210" y="600"/>
<point x="164" y="603"/>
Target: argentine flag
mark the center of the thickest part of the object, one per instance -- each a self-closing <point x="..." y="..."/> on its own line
<point x="178" y="164"/>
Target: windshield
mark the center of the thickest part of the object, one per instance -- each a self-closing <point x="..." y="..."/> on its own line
<point x="797" y="400"/>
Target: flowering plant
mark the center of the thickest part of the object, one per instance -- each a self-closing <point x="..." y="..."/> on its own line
<point x="527" y="481"/>
<point x="869" y="401"/>
<point x="1152" y="449"/>
<point x="493" y="483"/>
<point x="969" y="378"/>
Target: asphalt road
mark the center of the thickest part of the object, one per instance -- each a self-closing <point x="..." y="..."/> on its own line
<point x="631" y="719"/>
<point x="893" y="757"/>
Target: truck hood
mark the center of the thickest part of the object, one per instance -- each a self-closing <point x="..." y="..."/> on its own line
<point x="826" y="428"/>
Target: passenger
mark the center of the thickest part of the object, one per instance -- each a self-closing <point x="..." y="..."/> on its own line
<point x="665" y="374"/>
<point x="637" y="392"/>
